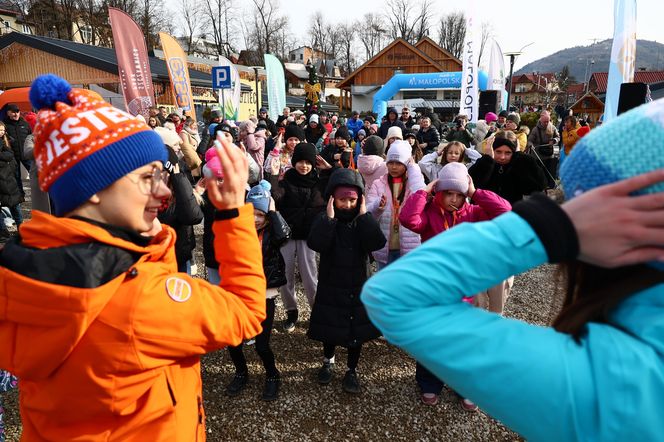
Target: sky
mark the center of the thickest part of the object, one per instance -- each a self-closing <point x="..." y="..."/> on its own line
<point x="515" y="24"/>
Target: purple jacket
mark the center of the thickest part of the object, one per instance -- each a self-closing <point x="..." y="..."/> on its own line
<point x="426" y="217"/>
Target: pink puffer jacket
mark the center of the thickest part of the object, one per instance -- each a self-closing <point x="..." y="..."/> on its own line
<point x="409" y="239"/>
<point x="371" y="167"/>
<point x="424" y="216"/>
<point x="255" y="144"/>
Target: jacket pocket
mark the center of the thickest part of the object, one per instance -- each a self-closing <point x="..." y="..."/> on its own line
<point x="171" y="389"/>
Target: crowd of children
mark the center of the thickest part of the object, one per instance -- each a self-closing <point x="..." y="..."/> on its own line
<point x="357" y="199"/>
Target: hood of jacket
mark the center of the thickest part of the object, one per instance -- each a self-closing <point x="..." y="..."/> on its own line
<point x="344" y="177"/>
<point x="41" y="319"/>
<point x="369" y="164"/>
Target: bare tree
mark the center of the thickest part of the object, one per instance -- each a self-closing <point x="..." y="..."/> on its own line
<point x="452" y="32"/>
<point x="190" y="10"/>
<point x="407" y="20"/>
<point x="372" y="33"/>
<point x="220" y="19"/>
<point x="487" y="31"/>
<point x="152" y="18"/>
<point x="267" y="32"/>
<point x="347" y="44"/>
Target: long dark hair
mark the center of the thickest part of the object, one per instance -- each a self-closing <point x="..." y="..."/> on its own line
<point x="592" y="292"/>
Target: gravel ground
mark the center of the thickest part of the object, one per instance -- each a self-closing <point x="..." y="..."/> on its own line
<point x="387" y="409"/>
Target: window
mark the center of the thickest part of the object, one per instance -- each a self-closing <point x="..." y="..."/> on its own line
<point x="301" y="57"/>
<point x="292" y="57"/>
<point x="26" y="29"/>
<point x="451" y="95"/>
<point x="521" y="87"/>
<point x="7" y="25"/>
<point x="86" y="33"/>
<point x="423" y="94"/>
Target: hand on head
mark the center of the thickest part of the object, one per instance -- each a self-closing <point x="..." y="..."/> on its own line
<point x="631" y="230"/>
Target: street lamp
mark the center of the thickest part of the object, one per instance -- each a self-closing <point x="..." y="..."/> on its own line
<point x="512" y="56"/>
<point x="258" y="99"/>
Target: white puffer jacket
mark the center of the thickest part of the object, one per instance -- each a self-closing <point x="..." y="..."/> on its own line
<point x="408" y="239"/>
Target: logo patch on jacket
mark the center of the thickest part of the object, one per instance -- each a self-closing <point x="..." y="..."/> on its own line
<point x="178" y="289"/>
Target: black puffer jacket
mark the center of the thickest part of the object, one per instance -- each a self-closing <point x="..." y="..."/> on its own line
<point x="298" y="205"/>
<point x="275" y="234"/>
<point x="18" y="131"/>
<point x="522" y="176"/>
<point x="10" y="194"/>
<point x="182" y="214"/>
<point x="338" y="316"/>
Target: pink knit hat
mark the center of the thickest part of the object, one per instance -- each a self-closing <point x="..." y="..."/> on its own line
<point x="453" y="176"/>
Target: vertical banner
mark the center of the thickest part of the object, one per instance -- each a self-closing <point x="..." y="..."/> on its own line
<point x="178" y="72"/>
<point x="133" y="63"/>
<point x="496" y="68"/>
<point x="623" y="54"/>
<point x="231" y="102"/>
<point x="276" y="86"/>
<point x="469" y="72"/>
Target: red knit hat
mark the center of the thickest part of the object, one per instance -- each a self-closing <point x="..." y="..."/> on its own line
<point x="83" y="144"/>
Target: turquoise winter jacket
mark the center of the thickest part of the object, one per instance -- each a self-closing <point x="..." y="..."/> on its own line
<point x="537" y="381"/>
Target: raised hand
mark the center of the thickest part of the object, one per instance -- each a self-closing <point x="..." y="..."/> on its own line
<point x="632" y="227"/>
<point x="430" y="187"/>
<point x="275" y="166"/>
<point x="330" y="207"/>
<point x="383" y="202"/>
<point x="471" y="187"/>
<point x="363" y="205"/>
<point x="229" y="194"/>
<point x="322" y="164"/>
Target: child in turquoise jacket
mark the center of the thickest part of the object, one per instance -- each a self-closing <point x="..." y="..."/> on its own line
<point x="599" y="373"/>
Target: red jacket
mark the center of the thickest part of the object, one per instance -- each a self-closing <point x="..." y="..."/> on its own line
<point x="120" y="361"/>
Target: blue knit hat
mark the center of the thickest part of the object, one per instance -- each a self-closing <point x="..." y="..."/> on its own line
<point x="629" y="145"/>
<point x="259" y="196"/>
<point x="83" y="144"/>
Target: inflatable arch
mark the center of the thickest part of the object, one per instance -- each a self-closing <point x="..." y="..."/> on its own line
<point x="436" y="80"/>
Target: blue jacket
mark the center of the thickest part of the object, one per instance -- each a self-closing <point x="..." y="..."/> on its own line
<point x="354" y="126"/>
<point x="535" y="380"/>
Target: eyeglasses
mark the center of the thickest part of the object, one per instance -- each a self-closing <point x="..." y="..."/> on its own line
<point x="148" y="183"/>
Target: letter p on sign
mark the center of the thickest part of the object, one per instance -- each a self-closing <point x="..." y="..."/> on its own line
<point x="221" y="77"/>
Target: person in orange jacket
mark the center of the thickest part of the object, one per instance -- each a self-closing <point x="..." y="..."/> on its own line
<point x="104" y="333"/>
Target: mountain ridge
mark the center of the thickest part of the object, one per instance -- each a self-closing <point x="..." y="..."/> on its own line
<point x="649" y="55"/>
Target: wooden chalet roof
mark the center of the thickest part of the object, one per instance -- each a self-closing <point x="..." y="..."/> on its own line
<point x="442" y="56"/>
<point x="409" y="59"/>
<point x="586" y="102"/>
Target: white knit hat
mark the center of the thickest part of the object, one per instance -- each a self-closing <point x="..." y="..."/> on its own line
<point x="393" y="132"/>
<point x="453" y="176"/>
<point x="400" y="151"/>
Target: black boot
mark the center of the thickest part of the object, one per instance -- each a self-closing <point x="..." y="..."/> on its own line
<point x="291" y="320"/>
<point x="238" y="384"/>
<point x="271" y="390"/>
<point x="351" y="384"/>
<point x="325" y="373"/>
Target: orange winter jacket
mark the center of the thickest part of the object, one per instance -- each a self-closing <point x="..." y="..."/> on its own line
<point x="116" y="357"/>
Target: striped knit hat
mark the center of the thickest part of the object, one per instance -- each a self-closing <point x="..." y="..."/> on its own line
<point x="83" y="144"/>
<point x="629" y="145"/>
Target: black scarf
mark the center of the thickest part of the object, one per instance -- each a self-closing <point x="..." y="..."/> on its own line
<point x="347" y="215"/>
<point x="296" y="179"/>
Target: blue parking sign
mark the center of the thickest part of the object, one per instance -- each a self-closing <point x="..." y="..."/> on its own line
<point x="221" y="77"/>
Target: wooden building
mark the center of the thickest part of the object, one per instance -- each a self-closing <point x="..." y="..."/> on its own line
<point x="24" y="57"/>
<point x="589" y="106"/>
<point x="358" y="89"/>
